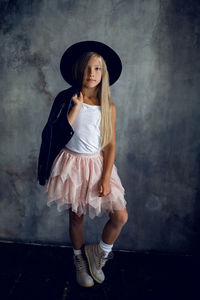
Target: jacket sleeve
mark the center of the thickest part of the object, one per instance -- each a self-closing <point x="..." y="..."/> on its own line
<point x="56" y="133"/>
<point x="43" y="154"/>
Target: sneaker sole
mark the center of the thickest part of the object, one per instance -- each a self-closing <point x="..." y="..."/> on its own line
<point x="86" y="285"/>
<point x="88" y="259"/>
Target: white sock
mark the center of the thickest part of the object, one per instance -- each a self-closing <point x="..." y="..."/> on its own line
<point x="105" y="247"/>
<point x="77" y="252"/>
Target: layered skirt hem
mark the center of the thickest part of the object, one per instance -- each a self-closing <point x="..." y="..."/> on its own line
<point x="74" y="184"/>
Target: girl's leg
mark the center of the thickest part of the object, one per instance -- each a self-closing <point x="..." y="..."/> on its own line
<point x="110" y="233"/>
<point x="114" y="226"/>
<point x="77" y="238"/>
<point x="76" y="229"/>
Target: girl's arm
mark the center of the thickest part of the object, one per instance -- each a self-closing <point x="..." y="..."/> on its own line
<point x="75" y="109"/>
<point x="109" y="158"/>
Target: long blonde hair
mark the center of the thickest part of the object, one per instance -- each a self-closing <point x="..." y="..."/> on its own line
<point x="103" y="93"/>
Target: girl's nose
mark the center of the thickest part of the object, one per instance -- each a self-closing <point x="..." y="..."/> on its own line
<point x="91" y="73"/>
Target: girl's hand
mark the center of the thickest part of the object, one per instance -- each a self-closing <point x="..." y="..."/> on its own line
<point x="104" y="187"/>
<point x="78" y="100"/>
<point x="75" y="109"/>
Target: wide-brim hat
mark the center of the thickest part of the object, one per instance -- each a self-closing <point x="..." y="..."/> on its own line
<point x="70" y="56"/>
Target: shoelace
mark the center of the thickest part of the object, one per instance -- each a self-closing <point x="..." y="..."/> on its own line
<point x="80" y="263"/>
<point x="102" y="260"/>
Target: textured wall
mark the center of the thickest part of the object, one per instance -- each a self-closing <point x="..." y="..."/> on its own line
<point x="157" y="98"/>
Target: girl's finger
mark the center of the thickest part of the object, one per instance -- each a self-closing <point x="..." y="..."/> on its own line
<point x="100" y="189"/>
<point x="75" y="96"/>
<point x="81" y="96"/>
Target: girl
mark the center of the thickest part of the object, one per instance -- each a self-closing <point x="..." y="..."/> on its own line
<point x="83" y="176"/>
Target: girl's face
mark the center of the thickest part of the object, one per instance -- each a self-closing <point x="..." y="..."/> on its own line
<point x="93" y="72"/>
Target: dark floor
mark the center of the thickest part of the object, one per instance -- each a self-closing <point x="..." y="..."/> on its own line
<point x="47" y="272"/>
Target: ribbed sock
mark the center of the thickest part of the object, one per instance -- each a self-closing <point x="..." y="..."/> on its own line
<point x="105" y="247"/>
<point x="77" y="252"/>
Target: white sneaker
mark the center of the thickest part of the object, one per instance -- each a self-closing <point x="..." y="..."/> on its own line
<point x="96" y="260"/>
<point x="82" y="276"/>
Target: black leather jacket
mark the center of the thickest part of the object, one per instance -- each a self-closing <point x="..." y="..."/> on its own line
<point x="56" y="133"/>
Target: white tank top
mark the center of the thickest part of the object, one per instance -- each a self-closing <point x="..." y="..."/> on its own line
<point x="86" y="137"/>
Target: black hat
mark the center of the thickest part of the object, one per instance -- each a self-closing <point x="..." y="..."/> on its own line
<point x="71" y="55"/>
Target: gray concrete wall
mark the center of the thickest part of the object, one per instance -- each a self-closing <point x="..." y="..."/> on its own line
<point x="157" y="98"/>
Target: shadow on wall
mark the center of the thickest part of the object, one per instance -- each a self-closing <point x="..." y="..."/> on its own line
<point x="195" y="243"/>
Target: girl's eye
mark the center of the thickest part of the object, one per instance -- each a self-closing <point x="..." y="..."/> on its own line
<point x="97" y="68"/>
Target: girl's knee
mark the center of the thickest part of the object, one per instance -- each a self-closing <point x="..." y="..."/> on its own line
<point x="123" y="218"/>
<point x="120" y="217"/>
<point x="75" y="220"/>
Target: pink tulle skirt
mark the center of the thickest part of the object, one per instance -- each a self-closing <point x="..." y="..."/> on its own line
<point x="74" y="183"/>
